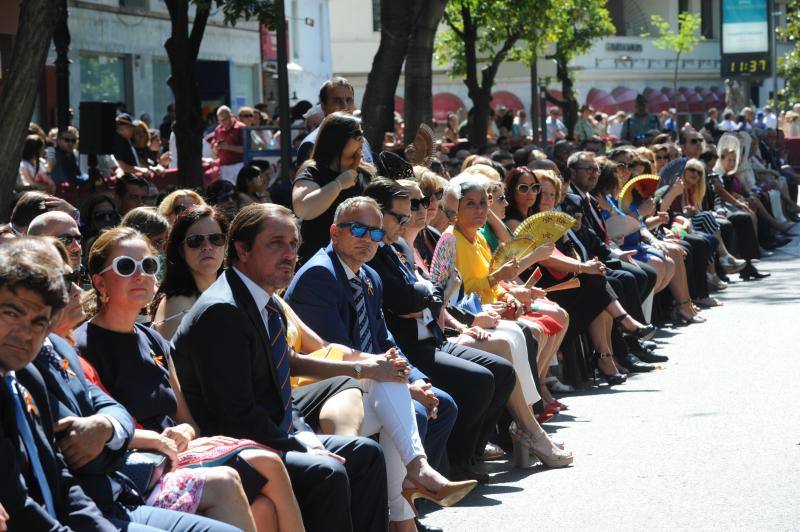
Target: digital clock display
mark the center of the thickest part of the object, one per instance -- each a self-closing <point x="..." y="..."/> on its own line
<point x="734" y="65"/>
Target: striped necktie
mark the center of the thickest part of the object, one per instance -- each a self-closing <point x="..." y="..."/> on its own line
<point x="30" y="445"/>
<point x="280" y="350"/>
<point x="364" y="335"/>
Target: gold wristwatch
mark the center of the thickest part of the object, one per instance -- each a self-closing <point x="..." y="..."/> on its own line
<point x="359" y="370"/>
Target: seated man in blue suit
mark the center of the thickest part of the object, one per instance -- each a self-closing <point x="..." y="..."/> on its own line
<point x="94" y="431"/>
<point x="37" y="490"/>
<point x="322" y="295"/>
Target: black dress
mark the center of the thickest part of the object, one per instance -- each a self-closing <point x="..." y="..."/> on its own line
<point x="315" y="233"/>
<point x="134" y="368"/>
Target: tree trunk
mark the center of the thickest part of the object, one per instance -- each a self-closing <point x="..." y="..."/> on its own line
<point x="37" y="20"/>
<point x="419" y="69"/>
<point x="569" y="104"/>
<point x="397" y="25"/>
<point x="479" y="120"/>
<point x="675" y="83"/>
<point x="182" y="48"/>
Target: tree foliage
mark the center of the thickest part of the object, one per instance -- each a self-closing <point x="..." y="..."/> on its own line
<point x="577" y="24"/>
<point x="789" y="63"/>
<point x="682" y="41"/>
<point x="183" y="47"/>
<point x="482" y="34"/>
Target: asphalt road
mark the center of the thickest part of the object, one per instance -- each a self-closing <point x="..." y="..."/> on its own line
<point x="710" y="441"/>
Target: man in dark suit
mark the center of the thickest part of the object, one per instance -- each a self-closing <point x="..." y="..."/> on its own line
<point x="480" y="382"/>
<point x="234" y="365"/>
<point x="37" y="491"/>
<point x="322" y="289"/>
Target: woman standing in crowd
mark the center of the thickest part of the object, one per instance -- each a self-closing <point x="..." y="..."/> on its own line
<point x="334" y="173"/>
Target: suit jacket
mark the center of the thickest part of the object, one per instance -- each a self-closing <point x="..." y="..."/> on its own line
<point x="227" y="370"/>
<point x="321" y="296"/>
<point x="19" y="491"/>
<point x="591" y="240"/>
<point x="405" y="296"/>
<point x="80" y="398"/>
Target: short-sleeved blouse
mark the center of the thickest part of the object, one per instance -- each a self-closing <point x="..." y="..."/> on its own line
<point x="315" y="233"/>
<point x="134" y="368"/>
<point x="473" y="260"/>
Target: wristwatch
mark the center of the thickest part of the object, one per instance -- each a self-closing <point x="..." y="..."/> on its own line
<point x="358" y="369"/>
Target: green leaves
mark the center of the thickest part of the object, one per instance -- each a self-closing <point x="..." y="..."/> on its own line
<point x="789" y="64"/>
<point x="235" y="10"/>
<point x="682" y="41"/>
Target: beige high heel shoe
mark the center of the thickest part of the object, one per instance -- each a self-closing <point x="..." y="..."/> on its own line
<point x="545" y="450"/>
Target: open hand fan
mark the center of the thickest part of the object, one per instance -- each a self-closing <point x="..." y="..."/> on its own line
<point x="443" y="261"/>
<point x="514" y="248"/>
<point x="637" y="189"/>
<point x="545" y="227"/>
<point x="423" y="144"/>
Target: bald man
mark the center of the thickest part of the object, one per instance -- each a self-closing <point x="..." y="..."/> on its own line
<point x="62" y="226"/>
<point x="228" y="144"/>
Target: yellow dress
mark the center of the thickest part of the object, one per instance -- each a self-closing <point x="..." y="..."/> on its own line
<point x="473" y="260"/>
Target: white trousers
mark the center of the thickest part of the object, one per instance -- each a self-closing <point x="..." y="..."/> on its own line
<point x="389" y="412"/>
<point x="510" y="332"/>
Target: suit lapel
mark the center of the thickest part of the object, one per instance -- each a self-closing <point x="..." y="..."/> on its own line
<point x="245" y="301"/>
<point x="341" y="276"/>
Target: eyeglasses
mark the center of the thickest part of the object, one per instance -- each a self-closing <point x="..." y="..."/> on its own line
<point x="595" y="169"/>
<point x="402" y="219"/>
<point x="105" y="215"/>
<point x="417" y="203"/>
<point x="625" y="165"/>
<point x="198" y="241"/>
<point x="245" y="115"/>
<point x="358" y="135"/>
<point x="501" y="199"/>
<point x="524" y="188"/>
<point x="69" y="140"/>
<point x="125" y="266"/>
<point x="439" y="194"/>
<point x="67" y="240"/>
<point x="358" y="230"/>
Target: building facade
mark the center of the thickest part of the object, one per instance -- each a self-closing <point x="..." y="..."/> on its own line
<point x="607" y="77"/>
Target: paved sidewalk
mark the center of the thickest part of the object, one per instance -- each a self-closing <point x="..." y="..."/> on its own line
<point x="709" y="442"/>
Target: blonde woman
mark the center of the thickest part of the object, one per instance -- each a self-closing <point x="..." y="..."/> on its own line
<point x="176" y="202"/>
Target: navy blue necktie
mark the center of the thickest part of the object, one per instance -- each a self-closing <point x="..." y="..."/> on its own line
<point x="30" y="445"/>
<point x="365" y="337"/>
<point x="280" y="350"/>
<point x="55" y="360"/>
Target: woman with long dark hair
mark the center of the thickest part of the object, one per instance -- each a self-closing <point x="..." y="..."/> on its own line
<point x="195" y="257"/>
<point x="522" y="190"/>
<point x="334" y="173"/>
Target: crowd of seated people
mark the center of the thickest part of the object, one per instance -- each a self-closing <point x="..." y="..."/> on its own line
<point x="211" y="360"/>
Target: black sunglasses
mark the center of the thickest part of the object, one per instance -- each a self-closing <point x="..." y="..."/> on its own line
<point x="358" y="230"/>
<point x="198" y="241"/>
<point x="417" y="203"/>
<point x="70" y="140"/>
<point x="402" y="219"/>
<point x="105" y="215"/>
<point x="524" y="188"/>
<point x="439" y="194"/>
<point x="67" y="240"/>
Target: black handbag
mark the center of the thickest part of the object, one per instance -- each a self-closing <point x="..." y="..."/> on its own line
<point x="144" y="469"/>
